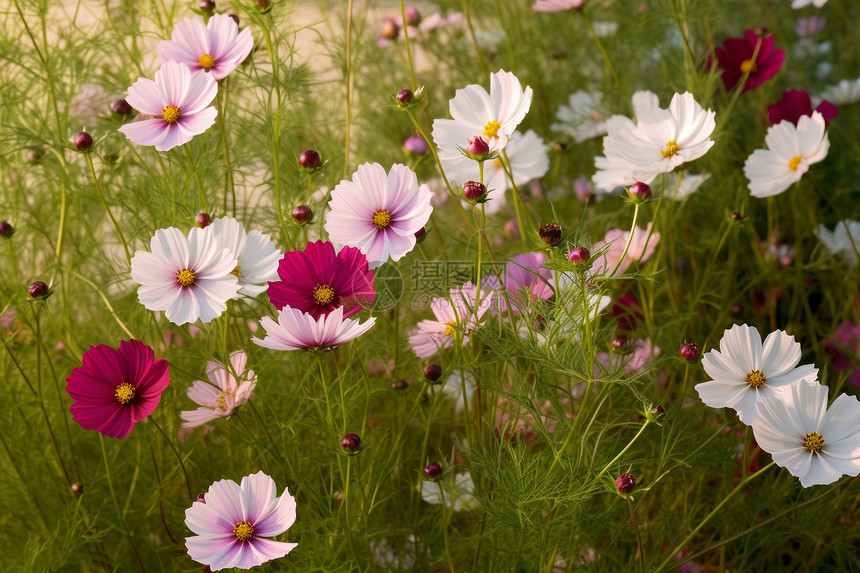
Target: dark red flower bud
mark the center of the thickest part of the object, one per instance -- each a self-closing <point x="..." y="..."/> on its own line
<point x="477" y="146"/>
<point x="620" y="344"/>
<point x="420" y="233"/>
<point x="350" y="442"/>
<point x="302" y="213"/>
<point x="121" y="107"/>
<point x="202" y="220"/>
<point x="433" y="372"/>
<point x="201" y="497"/>
<point x="550" y="234"/>
<point x="38" y="289"/>
<point x="309" y="159"/>
<point x="689" y="351"/>
<point x="6" y="229"/>
<point x="83" y="141"/>
<point x="77" y="488"/>
<point x="625" y="483"/>
<point x="579" y="255"/>
<point x="433" y="470"/>
<point x="737" y="216"/>
<point x="207" y="5"/>
<point x="404" y="96"/>
<point x="658" y="409"/>
<point x="640" y="191"/>
<point x="473" y="190"/>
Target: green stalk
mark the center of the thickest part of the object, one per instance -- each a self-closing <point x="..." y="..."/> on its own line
<point x="107" y="209"/>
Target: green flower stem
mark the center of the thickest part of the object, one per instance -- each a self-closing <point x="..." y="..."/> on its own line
<point x="408" y="48"/>
<point x="445" y="518"/>
<point x="107" y="303"/>
<point x="600" y="47"/>
<point x="178" y="457"/>
<point x="629" y="240"/>
<point x="622" y="452"/>
<point x="641" y="549"/>
<point x="204" y="205"/>
<point x="119" y="512"/>
<point x="349" y="85"/>
<point x="107" y="209"/>
<point x="518" y="209"/>
<point x="230" y="187"/>
<point x="671" y="554"/>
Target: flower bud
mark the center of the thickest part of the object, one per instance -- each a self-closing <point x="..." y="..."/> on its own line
<point x="201" y="497"/>
<point x="620" y="344"/>
<point x="433" y="470"/>
<point x="77" y="488"/>
<point x="658" y="409"/>
<point x="390" y="29"/>
<point x="83" y="141"/>
<point x="33" y="155"/>
<point x="413" y="16"/>
<point x="625" y="483"/>
<point x="477" y="146"/>
<point x="404" y="96"/>
<point x="207" y="5"/>
<point x="6" y="229"/>
<point x="640" y="191"/>
<point x="233" y="16"/>
<point x="202" y="220"/>
<point x="416" y="144"/>
<point x="736" y="216"/>
<point x="38" y="289"/>
<point x="689" y="351"/>
<point x="309" y="159"/>
<point x="121" y="107"/>
<point x="579" y="255"/>
<point x="473" y="191"/>
<point x="350" y="442"/>
<point x="419" y="235"/>
<point x="302" y="214"/>
<point x="550" y="234"/>
<point x="433" y="372"/>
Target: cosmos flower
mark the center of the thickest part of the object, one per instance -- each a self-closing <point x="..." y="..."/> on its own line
<point x="641" y="248"/>
<point x="493" y="116"/>
<point x="813" y="442"/>
<point x="745" y="372"/>
<point x="178" y="102"/>
<point x="256" y="253"/>
<point x="116" y="388"/>
<point x="222" y="394"/>
<point x="457" y="492"/>
<point x="557" y="5"/>
<point x="462" y="312"/>
<point x="526" y="281"/>
<point x="235" y="522"/>
<point x="216" y="47"/>
<point x="844" y="93"/>
<point x="689" y="184"/>
<point x="659" y="141"/>
<point x="317" y="280"/>
<point x="803" y="3"/>
<point x="796" y="103"/>
<point x="529" y="159"/>
<point x="296" y="330"/>
<point x="583" y="117"/>
<point x="843" y="241"/>
<point x="379" y="214"/>
<point x="791" y="150"/>
<point x="187" y="277"/>
<point x="737" y="56"/>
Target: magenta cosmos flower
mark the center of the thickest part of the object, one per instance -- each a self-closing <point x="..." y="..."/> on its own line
<point x="317" y="280"/>
<point x="796" y="103"/>
<point x="297" y="330"/>
<point x="115" y="389"/>
<point x="178" y="102"/>
<point x="378" y="213"/>
<point x="217" y="47"/>
<point x="737" y="56"/>
<point x="222" y="394"/>
<point x="234" y="522"/>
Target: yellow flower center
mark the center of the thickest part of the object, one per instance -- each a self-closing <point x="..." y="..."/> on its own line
<point x="755" y="379"/>
<point x="813" y="442"/>
<point x="449" y="329"/>
<point x="206" y="61"/>
<point x="794" y="162"/>
<point x="170" y="113"/>
<point x="221" y="400"/>
<point x="236" y="271"/>
<point x="381" y="219"/>
<point x="124" y="393"/>
<point x="671" y="150"/>
<point x="243" y="530"/>
<point x="497" y="163"/>
<point x="323" y="294"/>
<point x="747" y="66"/>
<point x="185" y="277"/>
<point x="492" y="129"/>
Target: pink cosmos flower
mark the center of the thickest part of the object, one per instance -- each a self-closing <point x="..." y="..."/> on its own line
<point x="557" y="5"/>
<point x="222" y="394"/>
<point x="796" y="103"/>
<point x="297" y="330"/>
<point x="115" y="389"/>
<point x="217" y="47"/>
<point x="526" y="281"/>
<point x="317" y="281"/>
<point x="234" y="522"/>
<point x="177" y="101"/>
<point x="378" y="213"/>
<point x="737" y="56"/>
<point x="462" y="312"/>
<point x="617" y="239"/>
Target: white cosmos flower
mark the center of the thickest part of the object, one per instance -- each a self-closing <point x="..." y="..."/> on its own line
<point x="187" y="277"/>
<point x="791" y="150"/>
<point x="296" y="330"/>
<point x="843" y="241"/>
<point x="494" y="116"/>
<point x="745" y="372"/>
<point x="659" y="141"/>
<point x="457" y="492"/>
<point x="815" y="443"/>
<point x="257" y="255"/>
<point x="689" y="184"/>
<point x="803" y="3"/>
<point x="845" y="92"/>
<point x="529" y="157"/>
<point x="583" y="117"/>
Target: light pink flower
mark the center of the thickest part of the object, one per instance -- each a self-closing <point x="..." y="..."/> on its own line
<point x="377" y="213"/>
<point x="297" y="330"/>
<point x="216" y="47"/>
<point x="461" y="312"/>
<point x="222" y="394"/>
<point x="234" y="522"/>
<point x="177" y="101"/>
<point x="617" y="239"/>
<point x="557" y="5"/>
